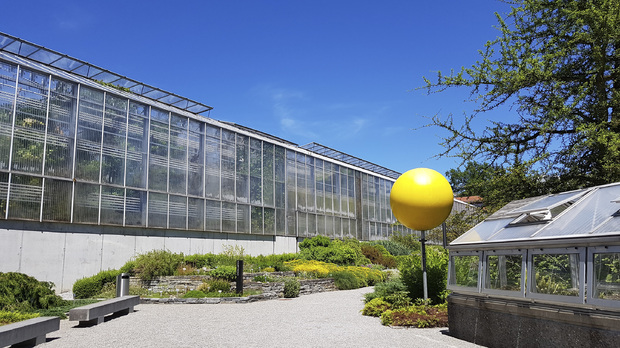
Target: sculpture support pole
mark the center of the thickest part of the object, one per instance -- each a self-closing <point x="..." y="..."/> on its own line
<point x="424" y="284"/>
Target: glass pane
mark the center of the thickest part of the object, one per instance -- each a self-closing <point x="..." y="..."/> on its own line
<point x="257" y="220"/>
<point x="196" y="158"/>
<point x="301" y="182"/>
<point x="464" y="271"/>
<point x="228" y="165"/>
<point x="243" y="218"/>
<point x="256" y="169"/>
<point x="268" y="172"/>
<point x="89" y="135"/>
<point x="243" y="169"/>
<point x="270" y="221"/>
<point x="178" y="154"/>
<point x="115" y="125"/>
<point x="158" y="210"/>
<point x="137" y="145"/>
<point x="8" y="75"/>
<point x="196" y="213"/>
<point x="112" y="202"/>
<point x="86" y="205"/>
<point x="213" y="215"/>
<point x="177" y="211"/>
<point x="607" y="276"/>
<point x="212" y="164"/>
<point x="158" y="151"/>
<point x="279" y="177"/>
<point x="135" y="208"/>
<point x="504" y="272"/>
<point x="302" y="224"/>
<point x="320" y="191"/>
<point x="25" y="197"/>
<point x="57" y="200"/>
<point x="4" y="190"/>
<point x="556" y="274"/>
<point x="229" y="217"/>
<point x="61" y="129"/>
<point x="30" y="118"/>
<point x="280" y="222"/>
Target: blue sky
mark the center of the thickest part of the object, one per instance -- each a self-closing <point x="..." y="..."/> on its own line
<point x="340" y="73"/>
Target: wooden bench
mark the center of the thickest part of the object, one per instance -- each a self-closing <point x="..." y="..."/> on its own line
<point x="94" y="313"/>
<point x="29" y="332"/>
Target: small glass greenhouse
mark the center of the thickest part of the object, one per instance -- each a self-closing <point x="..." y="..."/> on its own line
<point x="560" y="248"/>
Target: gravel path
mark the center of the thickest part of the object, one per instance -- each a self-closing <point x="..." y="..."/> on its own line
<point x="330" y="319"/>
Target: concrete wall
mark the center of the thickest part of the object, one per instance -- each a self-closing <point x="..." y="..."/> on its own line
<point x="495" y="322"/>
<point x="63" y="253"/>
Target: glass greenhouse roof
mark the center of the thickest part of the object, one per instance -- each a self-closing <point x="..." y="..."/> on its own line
<point x="61" y="61"/>
<point x="592" y="212"/>
<point x="341" y="156"/>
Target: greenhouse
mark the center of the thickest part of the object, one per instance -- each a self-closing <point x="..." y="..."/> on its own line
<point x="540" y="270"/>
<point x="96" y="167"/>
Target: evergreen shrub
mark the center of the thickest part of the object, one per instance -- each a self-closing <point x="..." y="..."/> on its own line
<point x="157" y="263"/>
<point x="20" y="292"/>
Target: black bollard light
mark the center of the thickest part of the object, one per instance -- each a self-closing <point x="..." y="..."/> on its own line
<point x="239" y="276"/>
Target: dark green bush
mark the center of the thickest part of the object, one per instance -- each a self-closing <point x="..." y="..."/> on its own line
<point x="291" y="287"/>
<point x="347" y="280"/>
<point x="347" y="252"/>
<point x="157" y="263"/>
<point x="228" y="273"/>
<point x="91" y="286"/>
<point x="410" y="241"/>
<point x="436" y="274"/>
<point x="386" y="289"/>
<point x="20" y="292"/>
<point x="129" y="267"/>
<point x="317" y="241"/>
<point x="195" y="294"/>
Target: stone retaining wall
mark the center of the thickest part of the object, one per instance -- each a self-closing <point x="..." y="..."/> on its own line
<point x="270" y="290"/>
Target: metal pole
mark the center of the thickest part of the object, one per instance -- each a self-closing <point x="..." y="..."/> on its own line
<point x="424" y="284"/>
<point x="445" y="237"/>
<point x="239" y="276"/>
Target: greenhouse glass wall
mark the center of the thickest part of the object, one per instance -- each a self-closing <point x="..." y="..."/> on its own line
<point x="89" y="156"/>
<point x="554" y="258"/>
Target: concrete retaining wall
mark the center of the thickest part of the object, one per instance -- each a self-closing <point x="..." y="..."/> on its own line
<point x="496" y="322"/>
<point x="64" y="253"/>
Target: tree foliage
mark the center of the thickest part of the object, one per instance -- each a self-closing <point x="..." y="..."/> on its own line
<point x="556" y="65"/>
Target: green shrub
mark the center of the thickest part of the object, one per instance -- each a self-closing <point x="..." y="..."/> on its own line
<point x="200" y="261"/>
<point x="228" y="273"/>
<point x="345" y="280"/>
<point x="375" y="307"/>
<point x="157" y="263"/>
<point x="347" y="252"/>
<point x="7" y="317"/>
<point x="91" y="286"/>
<point x="409" y="241"/>
<point x="129" y="267"/>
<point x="20" y="292"/>
<point x="291" y="287"/>
<point x="215" y="285"/>
<point x="195" y="294"/>
<point x="394" y="248"/>
<point x="317" y="241"/>
<point x="263" y="278"/>
<point x="436" y="274"/>
<point x="386" y="289"/>
<point x="86" y="288"/>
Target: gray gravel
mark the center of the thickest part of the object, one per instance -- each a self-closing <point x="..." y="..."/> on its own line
<point x="330" y="319"/>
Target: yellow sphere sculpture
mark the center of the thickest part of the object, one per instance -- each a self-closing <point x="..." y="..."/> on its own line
<point x="421" y="199"/>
